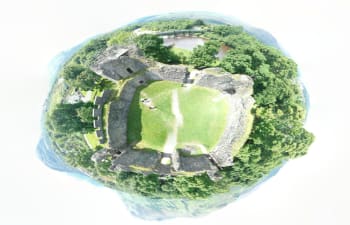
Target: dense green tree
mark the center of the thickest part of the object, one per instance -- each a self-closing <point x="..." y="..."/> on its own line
<point x="71" y="71"/>
<point x="237" y="63"/>
<point x="150" y="44"/>
<point x="85" y="112"/>
<point x="197" y="22"/>
<point x="153" y="47"/>
<point x="194" y="187"/>
<point x="88" y="53"/>
<point x="121" y="37"/>
<point x="225" y="30"/>
<point x="205" y="55"/>
<point x="69" y="118"/>
<point x="87" y="80"/>
<point x="240" y="40"/>
<point x="78" y="76"/>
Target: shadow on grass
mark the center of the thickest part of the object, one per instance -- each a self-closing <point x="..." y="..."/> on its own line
<point x="134" y="125"/>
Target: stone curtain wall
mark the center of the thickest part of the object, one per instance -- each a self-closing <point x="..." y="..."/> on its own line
<point x="116" y="64"/>
<point x="97" y="113"/>
<point x="118" y="113"/>
<point x="240" y="89"/>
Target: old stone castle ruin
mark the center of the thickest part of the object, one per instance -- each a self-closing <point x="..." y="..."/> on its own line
<point x="117" y="63"/>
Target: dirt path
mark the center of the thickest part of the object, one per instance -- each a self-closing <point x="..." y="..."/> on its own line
<point x="171" y="141"/>
<point x="175" y="108"/>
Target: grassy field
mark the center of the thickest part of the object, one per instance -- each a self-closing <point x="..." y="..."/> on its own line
<point x="184" y="54"/>
<point x="204" y="116"/>
<point x="204" y="113"/>
<point x="149" y="128"/>
<point x="91" y="140"/>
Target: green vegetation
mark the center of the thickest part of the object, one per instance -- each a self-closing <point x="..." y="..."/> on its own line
<point x="171" y="25"/>
<point x="121" y="37"/>
<point x="79" y="76"/>
<point x="183" y="55"/>
<point x="204" y="55"/>
<point x="150" y="128"/>
<point x="87" y="54"/>
<point x="153" y="47"/>
<point x="204" y="113"/>
<point x="92" y="140"/>
<point x="277" y="134"/>
<point x="70" y="125"/>
<point x="200" y="57"/>
<point x="70" y="118"/>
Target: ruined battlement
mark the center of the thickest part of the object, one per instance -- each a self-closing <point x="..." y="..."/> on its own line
<point x="115" y="64"/>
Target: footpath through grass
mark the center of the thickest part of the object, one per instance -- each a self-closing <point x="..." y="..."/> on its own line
<point x="204" y="114"/>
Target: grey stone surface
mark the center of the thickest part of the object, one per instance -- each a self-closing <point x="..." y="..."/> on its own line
<point x="106" y="94"/>
<point x="222" y="83"/>
<point x="161" y="168"/>
<point x="240" y="105"/>
<point x="99" y="123"/>
<point x="243" y="84"/>
<point x="237" y="122"/>
<point x="99" y="156"/>
<point x="175" y="159"/>
<point x="102" y="140"/>
<point x="118" y="113"/>
<point x="117" y="63"/>
<point x="97" y="112"/>
<point x="225" y="82"/>
<point x="114" y="64"/>
<point x="99" y="133"/>
<point x="188" y="150"/>
<point x="152" y="76"/>
<point x="199" y="163"/>
<point x="118" y="117"/>
<point x="174" y="73"/>
<point x="98" y="101"/>
<point x="214" y="175"/>
<point x="75" y="97"/>
<point x="138" y="158"/>
<point x="239" y="89"/>
<point x="117" y="122"/>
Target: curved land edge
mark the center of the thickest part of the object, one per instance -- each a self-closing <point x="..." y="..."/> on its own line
<point x="276" y="135"/>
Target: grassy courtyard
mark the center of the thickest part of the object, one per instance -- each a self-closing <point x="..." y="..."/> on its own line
<point x="204" y="112"/>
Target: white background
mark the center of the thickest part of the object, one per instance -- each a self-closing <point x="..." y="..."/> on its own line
<point x="310" y="190"/>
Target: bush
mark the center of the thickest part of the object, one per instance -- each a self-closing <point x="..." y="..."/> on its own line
<point x="152" y="46"/>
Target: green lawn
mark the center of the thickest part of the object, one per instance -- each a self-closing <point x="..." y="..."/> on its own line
<point x="204" y="119"/>
<point x="92" y="140"/>
<point x="149" y="128"/>
<point x="184" y="54"/>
